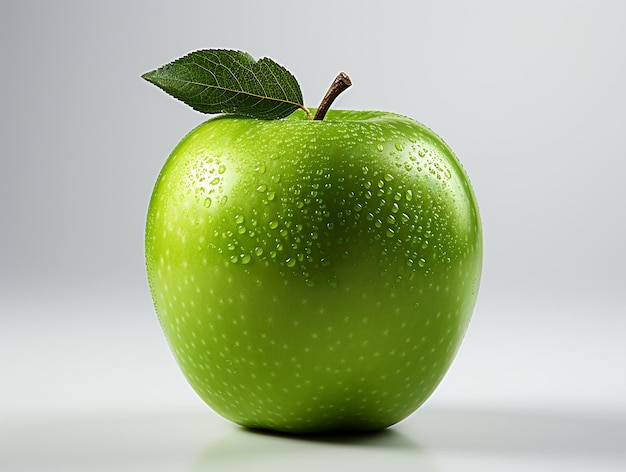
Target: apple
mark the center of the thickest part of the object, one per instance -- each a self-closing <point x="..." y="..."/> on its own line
<point x="314" y="275"/>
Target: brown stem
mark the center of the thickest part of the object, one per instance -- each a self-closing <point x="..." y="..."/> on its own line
<point x="341" y="82"/>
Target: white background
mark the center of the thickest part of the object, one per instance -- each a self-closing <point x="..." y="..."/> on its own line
<point x="530" y="95"/>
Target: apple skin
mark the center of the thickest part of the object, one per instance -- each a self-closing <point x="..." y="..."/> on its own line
<point x="314" y="276"/>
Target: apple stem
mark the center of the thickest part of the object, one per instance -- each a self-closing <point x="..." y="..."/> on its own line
<point x="341" y="82"/>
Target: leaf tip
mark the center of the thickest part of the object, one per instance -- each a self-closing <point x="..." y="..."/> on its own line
<point x="149" y="76"/>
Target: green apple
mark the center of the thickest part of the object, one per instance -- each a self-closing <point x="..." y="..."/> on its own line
<point x="314" y="276"/>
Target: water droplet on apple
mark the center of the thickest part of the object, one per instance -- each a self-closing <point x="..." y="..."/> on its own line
<point x="310" y="282"/>
<point x="271" y="195"/>
<point x="273" y="224"/>
<point x="390" y="233"/>
<point x="207" y="202"/>
<point x="262" y="188"/>
<point x="399" y="146"/>
<point x="258" y="251"/>
<point x="380" y="147"/>
<point x="234" y="258"/>
<point x="260" y="168"/>
<point x="221" y="169"/>
<point x="409" y="195"/>
<point x="245" y="258"/>
<point x="291" y="262"/>
<point x="421" y="262"/>
<point x="239" y="219"/>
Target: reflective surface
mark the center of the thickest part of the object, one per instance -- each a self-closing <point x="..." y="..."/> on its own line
<point x="434" y="439"/>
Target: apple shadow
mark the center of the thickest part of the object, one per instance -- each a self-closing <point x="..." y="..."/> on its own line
<point x="385" y="439"/>
<point x="242" y="447"/>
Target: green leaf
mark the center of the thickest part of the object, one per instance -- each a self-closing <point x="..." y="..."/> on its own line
<point x="226" y="81"/>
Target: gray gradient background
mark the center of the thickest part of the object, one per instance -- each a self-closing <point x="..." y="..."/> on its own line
<point x="530" y="95"/>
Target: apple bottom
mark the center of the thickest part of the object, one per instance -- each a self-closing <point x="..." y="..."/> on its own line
<point x="284" y="356"/>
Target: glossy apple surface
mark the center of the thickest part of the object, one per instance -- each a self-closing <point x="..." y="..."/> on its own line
<point x="314" y="276"/>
